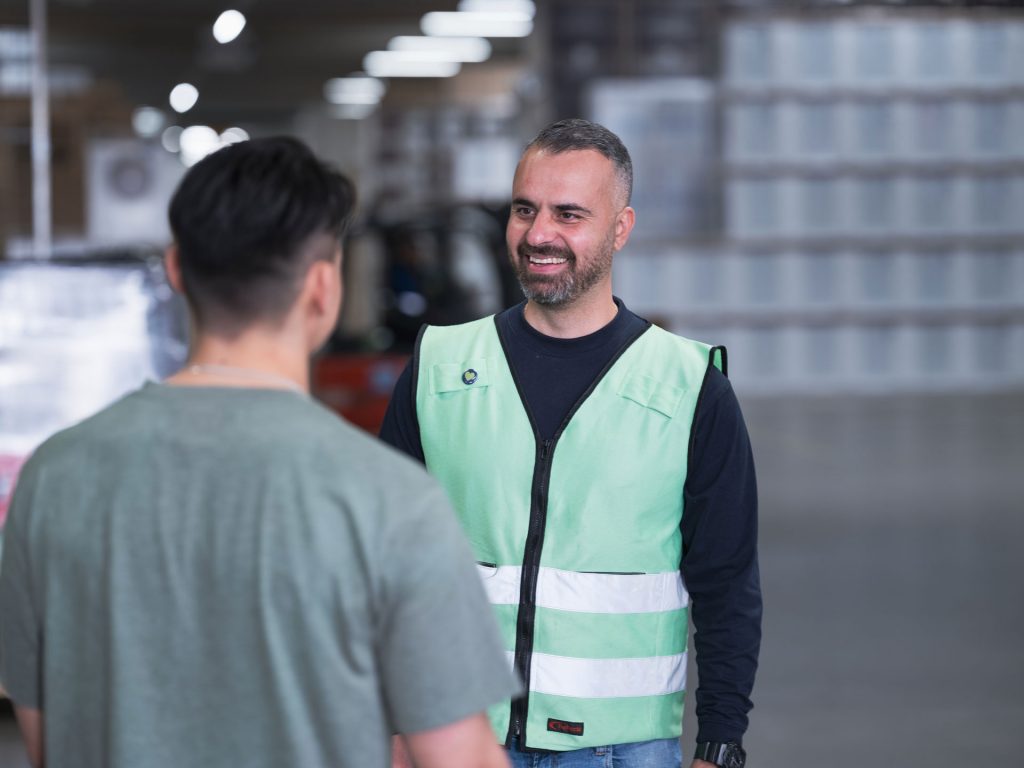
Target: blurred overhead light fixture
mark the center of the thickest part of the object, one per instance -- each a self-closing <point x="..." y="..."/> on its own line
<point x="228" y="26"/>
<point x="466" y="49"/>
<point x="171" y="138"/>
<point x="233" y="135"/>
<point x="148" y="121"/>
<point x="352" y="111"/>
<point x="524" y="7"/>
<point x="407" y="64"/>
<point x="354" y="89"/>
<point x="197" y="141"/>
<point x="183" y="97"/>
<point x="476" y="24"/>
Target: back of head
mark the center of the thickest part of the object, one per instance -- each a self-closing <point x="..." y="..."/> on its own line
<point x="576" y="134"/>
<point x="243" y="221"/>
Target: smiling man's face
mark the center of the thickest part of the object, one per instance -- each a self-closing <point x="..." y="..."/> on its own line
<point x="568" y="218"/>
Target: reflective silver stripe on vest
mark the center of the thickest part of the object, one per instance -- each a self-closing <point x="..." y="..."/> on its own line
<point x="589" y="592"/>
<point x="606" y="678"/>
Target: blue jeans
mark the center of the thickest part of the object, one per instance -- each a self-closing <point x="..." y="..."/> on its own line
<point x="661" y="753"/>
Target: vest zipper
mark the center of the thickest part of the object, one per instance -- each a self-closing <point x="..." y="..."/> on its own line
<point x="535" y="538"/>
<point x="528" y="583"/>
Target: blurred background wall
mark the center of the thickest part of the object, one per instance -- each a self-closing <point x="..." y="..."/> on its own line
<point x="833" y="189"/>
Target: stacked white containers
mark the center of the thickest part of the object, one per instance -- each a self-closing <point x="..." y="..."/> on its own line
<point x="873" y="206"/>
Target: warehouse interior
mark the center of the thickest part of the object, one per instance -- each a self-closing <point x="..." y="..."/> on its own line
<point x="832" y="189"/>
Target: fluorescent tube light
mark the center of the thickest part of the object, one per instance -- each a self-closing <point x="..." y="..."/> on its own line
<point x="401" y="64"/>
<point x="475" y="24"/>
<point x="525" y="7"/>
<point x="357" y="89"/>
<point x="352" y="111"/>
<point x="466" y="49"/>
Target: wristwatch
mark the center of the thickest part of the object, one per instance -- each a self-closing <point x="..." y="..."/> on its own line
<point x="728" y="755"/>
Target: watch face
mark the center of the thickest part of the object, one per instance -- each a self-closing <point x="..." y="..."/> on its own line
<point x="734" y="757"/>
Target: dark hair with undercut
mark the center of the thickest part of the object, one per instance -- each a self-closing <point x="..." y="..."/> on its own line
<point x="244" y="219"/>
<point x="577" y="134"/>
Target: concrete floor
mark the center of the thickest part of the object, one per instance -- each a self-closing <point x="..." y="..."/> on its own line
<point x="891" y="531"/>
<point x="891" y="537"/>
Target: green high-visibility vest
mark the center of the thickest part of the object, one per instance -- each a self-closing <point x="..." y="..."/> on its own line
<point x="577" y="538"/>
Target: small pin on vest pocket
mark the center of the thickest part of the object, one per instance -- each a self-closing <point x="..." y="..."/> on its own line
<point x="469" y="376"/>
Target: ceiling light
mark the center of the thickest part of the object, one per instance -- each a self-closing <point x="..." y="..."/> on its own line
<point x="171" y="138"/>
<point x="401" y="64"/>
<point x="228" y="26"/>
<point x="352" y="111"/>
<point x="197" y="141"/>
<point x="469" y="49"/>
<point x="183" y="97"/>
<point x="354" y="89"/>
<point x="475" y="24"/>
<point x="525" y="7"/>
<point x="233" y="135"/>
<point x="148" y="121"/>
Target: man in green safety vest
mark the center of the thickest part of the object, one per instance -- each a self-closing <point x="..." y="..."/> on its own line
<point x="602" y="471"/>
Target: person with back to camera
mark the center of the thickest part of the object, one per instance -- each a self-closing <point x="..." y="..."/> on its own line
<point x="218" y="571"/>
<point x="602" y="471"/>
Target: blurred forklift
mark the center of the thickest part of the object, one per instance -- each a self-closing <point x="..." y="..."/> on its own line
<point x="435" y="266"/>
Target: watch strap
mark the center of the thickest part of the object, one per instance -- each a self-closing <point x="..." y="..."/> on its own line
<point x="726" y="754"/>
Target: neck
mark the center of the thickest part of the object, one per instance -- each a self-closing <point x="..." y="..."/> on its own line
<point x="581" y="318"/>
<point x="255" y="359"/>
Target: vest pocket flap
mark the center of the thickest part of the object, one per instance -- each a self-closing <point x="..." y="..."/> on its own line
<point x="653" y="394"/>
<point x="458" y="377"/>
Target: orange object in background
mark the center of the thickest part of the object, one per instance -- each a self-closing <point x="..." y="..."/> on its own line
<point x="9" y="467"/>
<point x="358" y="387"/>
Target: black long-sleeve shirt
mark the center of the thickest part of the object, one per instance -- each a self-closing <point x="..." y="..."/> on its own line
<point x="719" y="524"/>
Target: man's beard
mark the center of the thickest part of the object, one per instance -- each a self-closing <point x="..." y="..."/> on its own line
<point x="570" y="283"/>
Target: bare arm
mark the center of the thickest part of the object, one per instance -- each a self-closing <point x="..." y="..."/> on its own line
<point x="399" y="754"/>
<point x="467" y="743"/>
<point x="30" y="722"/>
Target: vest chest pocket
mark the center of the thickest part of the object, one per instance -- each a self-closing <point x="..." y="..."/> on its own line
<point x="653" y="394"/>
<point x="452" y="378"/>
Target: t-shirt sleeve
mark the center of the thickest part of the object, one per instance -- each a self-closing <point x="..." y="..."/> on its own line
<point x="20" y="633"/>
<point x="440" y="654"/>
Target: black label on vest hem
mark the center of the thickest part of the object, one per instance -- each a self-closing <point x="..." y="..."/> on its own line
<point x="564" y="726"/>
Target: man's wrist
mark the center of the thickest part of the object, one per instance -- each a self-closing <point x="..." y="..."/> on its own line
<point x="728" y="754"/>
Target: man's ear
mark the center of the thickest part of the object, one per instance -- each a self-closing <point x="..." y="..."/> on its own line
<point x="623" y="226"/>
<point x="322" y="287"/>
<point x="316" y="286"/>
<point x="172" y="266"/>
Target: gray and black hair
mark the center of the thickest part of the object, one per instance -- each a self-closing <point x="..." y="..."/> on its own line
<point x="578" y="134"/>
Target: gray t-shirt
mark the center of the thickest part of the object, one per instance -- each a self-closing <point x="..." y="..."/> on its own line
<point x="221" y="576"/>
